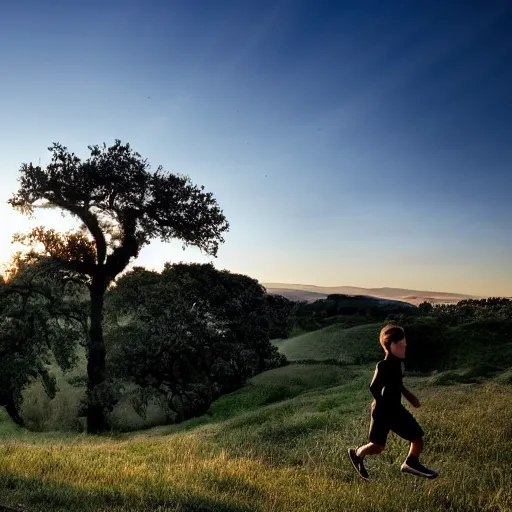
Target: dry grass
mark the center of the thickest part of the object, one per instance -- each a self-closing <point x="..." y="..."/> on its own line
<point x="288" y="455"/>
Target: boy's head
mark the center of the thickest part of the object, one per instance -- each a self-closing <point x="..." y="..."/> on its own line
<point x="392" y="339"/>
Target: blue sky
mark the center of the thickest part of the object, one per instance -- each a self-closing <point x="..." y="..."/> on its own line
<point x="359" y="143"/>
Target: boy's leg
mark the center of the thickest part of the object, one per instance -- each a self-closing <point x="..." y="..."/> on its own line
<point x="379" y="430"/>
<point x="369" y="449"/>
<point x="413" y="465"/>
<point x="416" y="448"/>
<point x="358" y="464"/>
<point x="408" y="428"/>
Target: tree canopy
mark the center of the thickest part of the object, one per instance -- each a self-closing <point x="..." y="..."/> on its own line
<point x="189" y="334"/>
<point x="121" y="204"/>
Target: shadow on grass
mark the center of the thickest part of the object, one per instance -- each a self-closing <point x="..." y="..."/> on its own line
<point x="36" y="495"/>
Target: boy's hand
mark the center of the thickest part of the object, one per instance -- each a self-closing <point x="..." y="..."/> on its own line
<point x="414" y="401"/>
<point x="410" y="397"/>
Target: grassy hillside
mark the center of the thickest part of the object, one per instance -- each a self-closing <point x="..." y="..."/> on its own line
<point x="474" y="349"/>
<point x="349" y="345"/>
<point x="277" y="445"/>
<point x="280" y="443"/>
<point x="471" y="352"/>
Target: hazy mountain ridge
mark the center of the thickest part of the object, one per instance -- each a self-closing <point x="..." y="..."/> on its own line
<point x="310" y="293"/>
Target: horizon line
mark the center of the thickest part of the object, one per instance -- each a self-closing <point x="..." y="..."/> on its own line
<point x="375" y="288"/>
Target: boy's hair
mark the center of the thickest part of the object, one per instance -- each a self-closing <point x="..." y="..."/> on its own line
<point x="391" y="334"/>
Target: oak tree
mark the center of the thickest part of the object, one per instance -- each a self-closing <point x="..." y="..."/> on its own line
<point x="122" y="205"/>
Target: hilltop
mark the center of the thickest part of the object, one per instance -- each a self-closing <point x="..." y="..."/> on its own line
<point x="310" y="293"/>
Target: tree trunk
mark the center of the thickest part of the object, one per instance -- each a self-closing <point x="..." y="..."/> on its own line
<point x="96" y="416"/>
<point x="12" y="410"/>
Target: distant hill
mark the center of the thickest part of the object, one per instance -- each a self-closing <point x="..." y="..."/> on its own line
<point x="352" y="345"/>
<point x="298" y="295"/>
<point x="310" y="293"/>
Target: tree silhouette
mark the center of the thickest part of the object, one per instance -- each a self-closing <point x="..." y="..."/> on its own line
<point x="122" y="206"/>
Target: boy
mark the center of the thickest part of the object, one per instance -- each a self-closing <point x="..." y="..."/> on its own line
<point x="387" y="411"/>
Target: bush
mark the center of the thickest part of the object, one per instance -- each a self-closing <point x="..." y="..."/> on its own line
<point x="427" y="348"/>
<point x="505" y="377"/>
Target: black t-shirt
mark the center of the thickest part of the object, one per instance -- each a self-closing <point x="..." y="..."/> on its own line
<point x="386" y="385"/>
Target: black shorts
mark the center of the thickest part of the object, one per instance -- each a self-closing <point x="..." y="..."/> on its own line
<point x="400" y="421"/>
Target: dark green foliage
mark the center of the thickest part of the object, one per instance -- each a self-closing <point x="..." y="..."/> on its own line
<point x="480" y="342"/>
<point x="493" y="308"/>
<point x="426" y="307"/>
<point x="372" y="307"/>
<point x="280" y="312"/>
<point x="40" y="322"/>
<point x="337" y="308"/>
<point x="474" y="334"/>
<point x="190" y="334"/>
<point x="237" y="302"/>
<point x="427" y="346"/>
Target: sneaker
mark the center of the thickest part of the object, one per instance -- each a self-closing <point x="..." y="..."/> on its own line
<point x="357" y="462"/>
<point x="414" y="467"/>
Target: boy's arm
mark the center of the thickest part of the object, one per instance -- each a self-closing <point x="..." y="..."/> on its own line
<point x="410" y="397"/>
<point x="378" y="382"/>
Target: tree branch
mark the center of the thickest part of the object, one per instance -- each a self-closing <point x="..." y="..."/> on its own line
<point x="91" y="221"/>
<point x="79" y="267"/>
<point x="120" y="257"/>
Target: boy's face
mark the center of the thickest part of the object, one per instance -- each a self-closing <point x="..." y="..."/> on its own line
<point x="398" y="348"/>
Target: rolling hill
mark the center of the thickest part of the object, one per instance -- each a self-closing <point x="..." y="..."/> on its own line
<point x="335" y="342"/>
<point x="280" y="442"/>
<point x="277" y="444"/>
<point x="310" y="293"/>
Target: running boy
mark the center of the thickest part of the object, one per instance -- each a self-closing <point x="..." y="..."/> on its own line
<point x="387" y="411"/>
